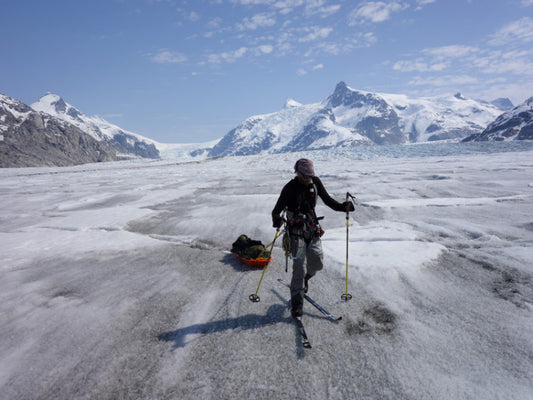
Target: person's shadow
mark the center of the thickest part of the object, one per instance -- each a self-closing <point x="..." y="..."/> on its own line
<point x="275" y="314"/>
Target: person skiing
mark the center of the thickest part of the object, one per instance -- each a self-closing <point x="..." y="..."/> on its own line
<point x="298" y="198"/>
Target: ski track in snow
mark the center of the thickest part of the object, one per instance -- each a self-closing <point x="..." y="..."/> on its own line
<point x="117" y="281"/>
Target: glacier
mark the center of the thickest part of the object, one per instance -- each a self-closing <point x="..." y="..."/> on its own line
<point x="117" y="280"/>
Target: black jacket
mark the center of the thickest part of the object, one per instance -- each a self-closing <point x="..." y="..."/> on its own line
<point x="292" y="194"/>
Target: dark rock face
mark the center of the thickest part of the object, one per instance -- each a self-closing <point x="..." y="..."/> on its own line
<point x="128" y="144"/>
<point x="516" y="124"/>
<point x="382" y="127"/>
<point x="32" y="139"/>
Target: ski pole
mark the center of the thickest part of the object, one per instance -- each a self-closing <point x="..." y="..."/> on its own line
<point x="254" y="297"/>
<point x="346" y="296"/>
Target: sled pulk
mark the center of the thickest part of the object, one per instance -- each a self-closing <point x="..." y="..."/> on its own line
<point x="254" y="297"/>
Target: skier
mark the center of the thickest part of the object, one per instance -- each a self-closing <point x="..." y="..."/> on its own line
<point x="298" y="197"/>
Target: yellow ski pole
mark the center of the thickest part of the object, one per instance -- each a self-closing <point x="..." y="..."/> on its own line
<point x="347" y="296"/>
<point x="254" y="297"/>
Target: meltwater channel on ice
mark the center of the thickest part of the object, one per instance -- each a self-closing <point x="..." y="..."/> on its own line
<point x="117" y="280"/>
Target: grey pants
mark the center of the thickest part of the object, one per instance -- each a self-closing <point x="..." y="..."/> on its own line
<point x="301" y="251"/>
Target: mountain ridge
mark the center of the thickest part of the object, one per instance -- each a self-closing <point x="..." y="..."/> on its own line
<point x="350" y="117"/>
<point x="516" y="124"/>
<point x="32" y="139"/>
<point x="126" y="143"/>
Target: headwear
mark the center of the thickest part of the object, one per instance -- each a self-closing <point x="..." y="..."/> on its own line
<point x="304" y="168"/>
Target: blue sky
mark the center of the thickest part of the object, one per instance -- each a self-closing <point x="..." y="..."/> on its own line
<point x="189" y="71"/>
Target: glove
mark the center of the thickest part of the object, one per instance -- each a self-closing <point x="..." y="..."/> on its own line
<point x="277" y="221"/>
<point x="348" y="206"/>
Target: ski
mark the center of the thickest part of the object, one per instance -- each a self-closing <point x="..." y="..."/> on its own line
<point x="305" y="340"/>
<point x="314" y="303"/>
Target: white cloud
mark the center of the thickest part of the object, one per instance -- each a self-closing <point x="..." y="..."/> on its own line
<point x="527" y="3"/>
<point x="505" y="62"/>
<point x="228" y="57"/>
<point x="303" y="71"/>
<point x="288" y="3"/>
<point x="345" y="46"/>
<point x="214" y="23"/>
<point x="256" y="21"/>
<point x="453" y="51"/>
<point x="164" y="56"/>
<point x="517" y="31"/>
<point x="419" y="65"/>
<point x="422" y="3"/>
<point x="315" y="33"/>
<point x="444" y="80"/>
<point x="318" y="7"/>
<point x="327" y="48"/>
<point x="251" y="2"/>
<point x="517" y="92"/>
<point x="375" y="11"/>
<point x="287" y="6"/>
<point x="193" y="16"/>
<point x="264" y="49"/>
<point x="368" y="39"/>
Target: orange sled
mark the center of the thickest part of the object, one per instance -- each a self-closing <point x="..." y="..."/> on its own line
<point x="254" y="262"/>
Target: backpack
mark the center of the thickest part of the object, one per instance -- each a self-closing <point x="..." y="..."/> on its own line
<point x="249" y="248"/>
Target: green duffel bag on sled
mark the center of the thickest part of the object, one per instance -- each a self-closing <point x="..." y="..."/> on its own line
<point x="252" y="252"/>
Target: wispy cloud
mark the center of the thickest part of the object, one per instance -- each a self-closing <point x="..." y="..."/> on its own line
<point x="467" y="57"/>
<point x="264" y="49"/>
<point x="345" y="46"/>
<point x="450" y="52"/>
<point x="193" y="16"/>
<point x="436" y="58"/>
<point x="419" y="65"/>
<point x="214" y="23"/>
<point x="305" y="71"/>
<point x="164" y="56"/>
<point x="422" y="3"/>
<point x="508" y="56"/>
<point x="315" y="33"/>
<point x="319" y="8"/>
<point x="256" y="21"/>
<point x="521" y="30"/>
<point x="375" y="11"/>
<point x="227" y="57"/>
<point x="505" y="62"/>
<point x="443" y="80"/>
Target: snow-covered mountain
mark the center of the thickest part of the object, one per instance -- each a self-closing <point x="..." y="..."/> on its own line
<point x="29" y="139"/>
<point x="124" y="142"/>
<point x="353" y="117"/>
<point x="516" y="124"/>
